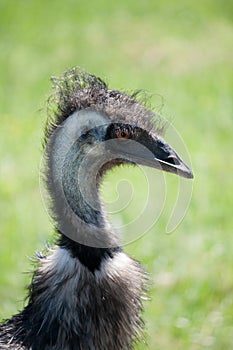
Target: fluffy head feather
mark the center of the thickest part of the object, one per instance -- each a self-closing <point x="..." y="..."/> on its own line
<point x="76" y="90"/>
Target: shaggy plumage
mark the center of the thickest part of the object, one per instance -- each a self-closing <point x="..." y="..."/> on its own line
<point x="86" y="293"/>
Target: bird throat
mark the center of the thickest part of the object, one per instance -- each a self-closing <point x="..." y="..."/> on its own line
<point x="72" y="181"/>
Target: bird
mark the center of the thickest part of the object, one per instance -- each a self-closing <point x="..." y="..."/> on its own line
<point x="86" y="293"/>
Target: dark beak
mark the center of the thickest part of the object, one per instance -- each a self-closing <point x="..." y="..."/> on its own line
<point x="165" y="158"/>
<point x="156" y="153"/>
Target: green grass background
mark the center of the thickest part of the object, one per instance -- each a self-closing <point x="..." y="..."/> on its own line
<point x="182" y="52"/>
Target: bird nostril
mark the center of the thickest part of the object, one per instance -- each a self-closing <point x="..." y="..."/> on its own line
<point x="172" y="160"/>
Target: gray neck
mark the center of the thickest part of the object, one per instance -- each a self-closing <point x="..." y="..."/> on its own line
<point x="80" y="187"/>
<point x="72" y="181"/>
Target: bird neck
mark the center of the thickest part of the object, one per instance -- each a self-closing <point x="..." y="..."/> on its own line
<point x="73" y="178"/>
<point x="90" y="257"/>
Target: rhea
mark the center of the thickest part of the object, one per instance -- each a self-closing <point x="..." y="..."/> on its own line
<point x="86" y="293"/>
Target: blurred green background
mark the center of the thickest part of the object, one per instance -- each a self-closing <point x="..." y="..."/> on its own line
<point x="182" y="52"/>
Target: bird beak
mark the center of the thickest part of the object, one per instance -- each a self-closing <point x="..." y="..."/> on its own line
<point x="156" y="153"/>
<point x="159" y="154"/>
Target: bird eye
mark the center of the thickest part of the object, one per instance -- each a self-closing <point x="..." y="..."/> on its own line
<point x="84" y="134"/>
<point x="123" y="133"/>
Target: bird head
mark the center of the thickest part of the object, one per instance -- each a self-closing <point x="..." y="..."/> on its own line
<point x="90" y="130"/>
<point x="125" y="143"/>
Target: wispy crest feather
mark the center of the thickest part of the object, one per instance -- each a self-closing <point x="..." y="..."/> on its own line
<point x="76" y="90"/>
